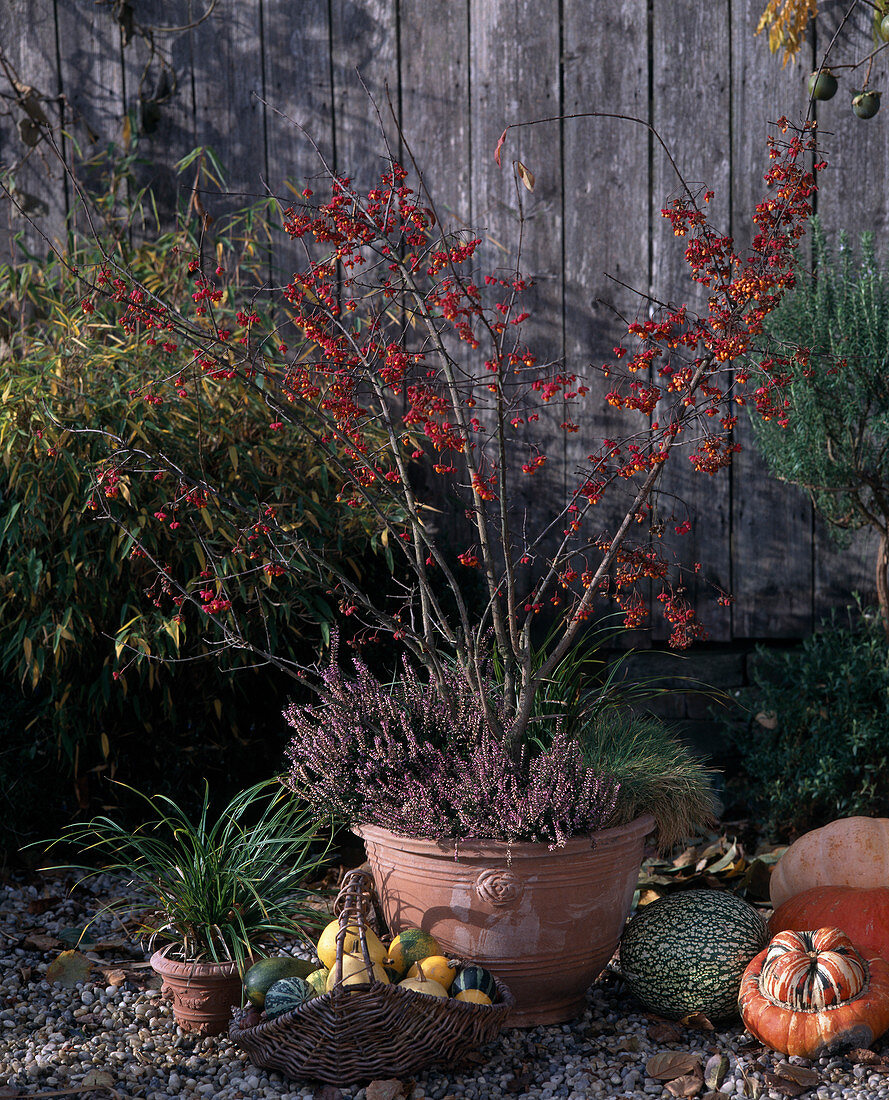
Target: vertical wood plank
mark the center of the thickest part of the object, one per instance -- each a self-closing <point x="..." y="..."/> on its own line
<point x="38" y="179"/>
<point x="158" y="91"/>
<point x="434" y="97"/>
<point x="771" y="521"/>
<point x="298" y="93"/>
<point x="607" y="191"/>
<point x="228" y="93"/>
<point x="692" y="113"/>
<point x="505" y="90"/>
<point x="853" y="197"/>
<point x="364" y="60"/>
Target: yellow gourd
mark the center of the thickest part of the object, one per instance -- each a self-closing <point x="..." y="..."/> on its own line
<point x="435" y="968"/>
<point x="326" y="949"/>
<point x="355" y="973"/>
<point x="422" y="985"/>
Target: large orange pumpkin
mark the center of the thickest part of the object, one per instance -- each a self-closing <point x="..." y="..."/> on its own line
<point x="851" y="851"/>
<point x="810" y="992"/>
<point x="863" y="914"/>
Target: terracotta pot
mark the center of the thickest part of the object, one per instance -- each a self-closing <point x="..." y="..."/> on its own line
<point x="546" y="922"/>
<point x="203" y="992"/>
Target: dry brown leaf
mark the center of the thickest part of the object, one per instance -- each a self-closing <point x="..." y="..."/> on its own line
<point x="646" y="897"/>
<point x="499" y="147"/>
<point x="800" y="1075"/>
<point x="698" y="1021"/>
<point x="525" y="175"/>
<point x="783" y="1085"/>
<point x="664" y="1032"/>
<point x="36" y="906"/>
<point x="863" y="1056"/>
<point x="389" y="1089"/>
<point x="114" y="977"/>
<point x="38" y="942"/>
<point x="628" y="1043"/>
<point x="768" y="719"/>
<point x="689" y="1085"/>
<point x="97" y="1079"/>
<point x="327" y="1092"/>
<point x="669" y="1065"/>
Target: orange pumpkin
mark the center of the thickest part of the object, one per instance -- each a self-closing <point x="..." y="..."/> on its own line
<point x="851" y="851"/>
<point x="863" y="914"/>
<point x="810" y="992"/>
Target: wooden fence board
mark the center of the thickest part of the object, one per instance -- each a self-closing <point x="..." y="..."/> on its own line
<point x="771" y="521"/>
<point x="457" y="75"/>
<point x="299" y="106"/>
<point x="607" y="196"/>
<point x="29" y="45"/>
<point x="691" y="98"/>
<point x="504" y="93"/>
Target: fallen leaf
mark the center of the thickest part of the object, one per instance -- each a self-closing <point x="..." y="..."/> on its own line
<point x="800" y="1075"/>
<point x="768" y="719"/>
<point x="864" y="1057"/>
<point x="646" y="897"/>
<point x="36" y="906"/>
<point x="689" y="1085"/>
<point x="664" y="1033"/>
<point x="39" y="942"/>
<point x="389" y="1089"/>
<point x="755" y="882"/>
<point x="698" y="1021"/>
<point x="327" y="1092"/>
<point x="628" y="1043"/>
<point x="783" y="1085"/>
<point x="68" y="968"/>
<point x="97" y="1079"/>
<point x="669" y="1065"/>
<point x="715" y="1070"/>
<point x="525" y="175"/>
<point x="114" y="977"/>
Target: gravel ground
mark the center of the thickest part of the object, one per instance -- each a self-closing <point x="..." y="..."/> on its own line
<point x="113" y="1035"/>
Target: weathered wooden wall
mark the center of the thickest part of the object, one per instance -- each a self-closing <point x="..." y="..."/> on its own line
<point x="457" y="73"/>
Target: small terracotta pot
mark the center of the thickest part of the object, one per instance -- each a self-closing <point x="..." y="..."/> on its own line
<point x="546" y="922"/>
<point x="203" y="992"/>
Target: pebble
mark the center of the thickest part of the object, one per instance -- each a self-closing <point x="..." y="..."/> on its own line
<point x="52" y="1037"/>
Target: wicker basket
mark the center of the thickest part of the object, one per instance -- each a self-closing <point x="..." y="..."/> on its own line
<point x="371" y="1031"/>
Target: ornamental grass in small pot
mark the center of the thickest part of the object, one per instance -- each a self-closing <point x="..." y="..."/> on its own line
<point x="524" y="860"/>
<point x="212" y="895"/>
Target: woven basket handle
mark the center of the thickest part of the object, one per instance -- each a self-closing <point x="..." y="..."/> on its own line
<point x="353" y="906"/>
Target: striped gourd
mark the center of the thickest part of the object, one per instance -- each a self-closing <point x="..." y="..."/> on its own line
<point x="812" y="971"/>
<point x="285" y="995"/>
<point x="687" y="952"/>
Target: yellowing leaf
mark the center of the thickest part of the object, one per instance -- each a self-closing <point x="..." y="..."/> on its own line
<point x="525" y="175"/>
<point x="106" y="745"/>
<point x="69" y="968"/>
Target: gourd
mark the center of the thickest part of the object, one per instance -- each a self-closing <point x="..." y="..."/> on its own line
<point x="326" y="948"/>
<point x="355" y="972"/>
<point x="851" y="851"/>
<point x="811" y="992"/>
<point x="266" y="972"/>
<point x="285" y="995"/>
<point x="424" y="985"/>
<point x="436" y="968"/>
<point x="861" y="912"/>
<point x="410" y="946"/>
<point x="687" y="953"/>
<point x="473" y="996"/>
<point x="475" y="977"/>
